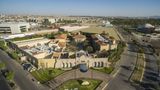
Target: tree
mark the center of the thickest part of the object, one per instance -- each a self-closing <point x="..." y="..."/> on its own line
<point x="2" y="65"/>
<point x="46" y="22"/>
<point x="89" y="49"/>
<point x="141" y="50"/>
<point x="50" y="36"/>
<point x="13" y="55"/>
<point x="9" y="75"/>
<point x="2" y="45"/>
<point x="85" y="43"/>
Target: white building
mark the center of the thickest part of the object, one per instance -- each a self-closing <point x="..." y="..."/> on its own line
<point x="14" y="27"/>
<point x="157" y="29"/>
<point x="107" y="24"/>
<point x="52" y="20"/>
<point x="73" y="28"/>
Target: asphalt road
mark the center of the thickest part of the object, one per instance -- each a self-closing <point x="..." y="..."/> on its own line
<point x="22" y="78"/>
<point x="150" y="78"/>
<point x="126" y="65"/>
<point x="3" y="83"/>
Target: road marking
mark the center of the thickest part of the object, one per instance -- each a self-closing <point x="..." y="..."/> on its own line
<point x="112" y="79"/>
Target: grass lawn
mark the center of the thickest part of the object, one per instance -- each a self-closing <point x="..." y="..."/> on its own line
<point x="107" y="70"/>
<point x="95" y="29"/>
<point x="44" y="75"/>
<point x="72" y="84"/>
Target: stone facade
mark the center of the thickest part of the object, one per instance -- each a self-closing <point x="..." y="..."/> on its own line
<point x="70" y="63"/>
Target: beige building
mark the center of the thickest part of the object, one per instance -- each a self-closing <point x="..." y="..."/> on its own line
<point x="102" y="46"/>
<point x="103" y="43"/>
<point x="61" y="38"/>
<point x="70" y="63"/>
<point x="44" y="55"/>
<point x="46" y="63"/>
<point x="79" y="38"/>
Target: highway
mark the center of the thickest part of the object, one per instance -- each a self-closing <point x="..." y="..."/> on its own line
<point x="125" y="65"/>
<point x="3" y="83"/>
<point x="150" y="78"/>
<point x="22" y="78"/>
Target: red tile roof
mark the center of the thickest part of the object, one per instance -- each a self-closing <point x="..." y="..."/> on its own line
<point x="61" y="36"/>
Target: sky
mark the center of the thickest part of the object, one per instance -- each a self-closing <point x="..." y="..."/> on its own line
<point x="82" y="7"/>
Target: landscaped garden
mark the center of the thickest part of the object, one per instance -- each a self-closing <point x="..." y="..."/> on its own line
<point x="44" y="75"/>
<point x="77" y="85"/>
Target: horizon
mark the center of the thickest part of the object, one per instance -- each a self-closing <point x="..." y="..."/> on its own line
<point x="126" y="8"/>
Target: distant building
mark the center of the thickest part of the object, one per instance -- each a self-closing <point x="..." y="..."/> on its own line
<point x="73" y="28"/>
<point x="107" y="24"/>
<point x="52" y="20"/>
<point x="157" y="29"/>
<point x="101" y="43"/>
<point x="147" y="28"/>
<point x="14" y="27"/>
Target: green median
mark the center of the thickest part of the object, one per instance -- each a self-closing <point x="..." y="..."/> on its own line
<point x="139" y="69"/>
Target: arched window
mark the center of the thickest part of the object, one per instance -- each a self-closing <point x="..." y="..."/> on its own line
<point x="102" y="64"/>
<point x="70" y="64"/>
<point x="63" y="65"/>
<point x="67" y="65"/>
<point x="95" y="64"/>
<point x="99" y="64"/>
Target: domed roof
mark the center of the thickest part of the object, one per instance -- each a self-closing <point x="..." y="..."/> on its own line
<point x="148" y="26"/>
<point x="83" y="68"/>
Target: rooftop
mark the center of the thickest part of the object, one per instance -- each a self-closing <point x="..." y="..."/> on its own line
<point x="12" y="23"/>
<point x="79" y="36"/>
<point x="61" y="36"/>
<point x="62" y="44"/>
